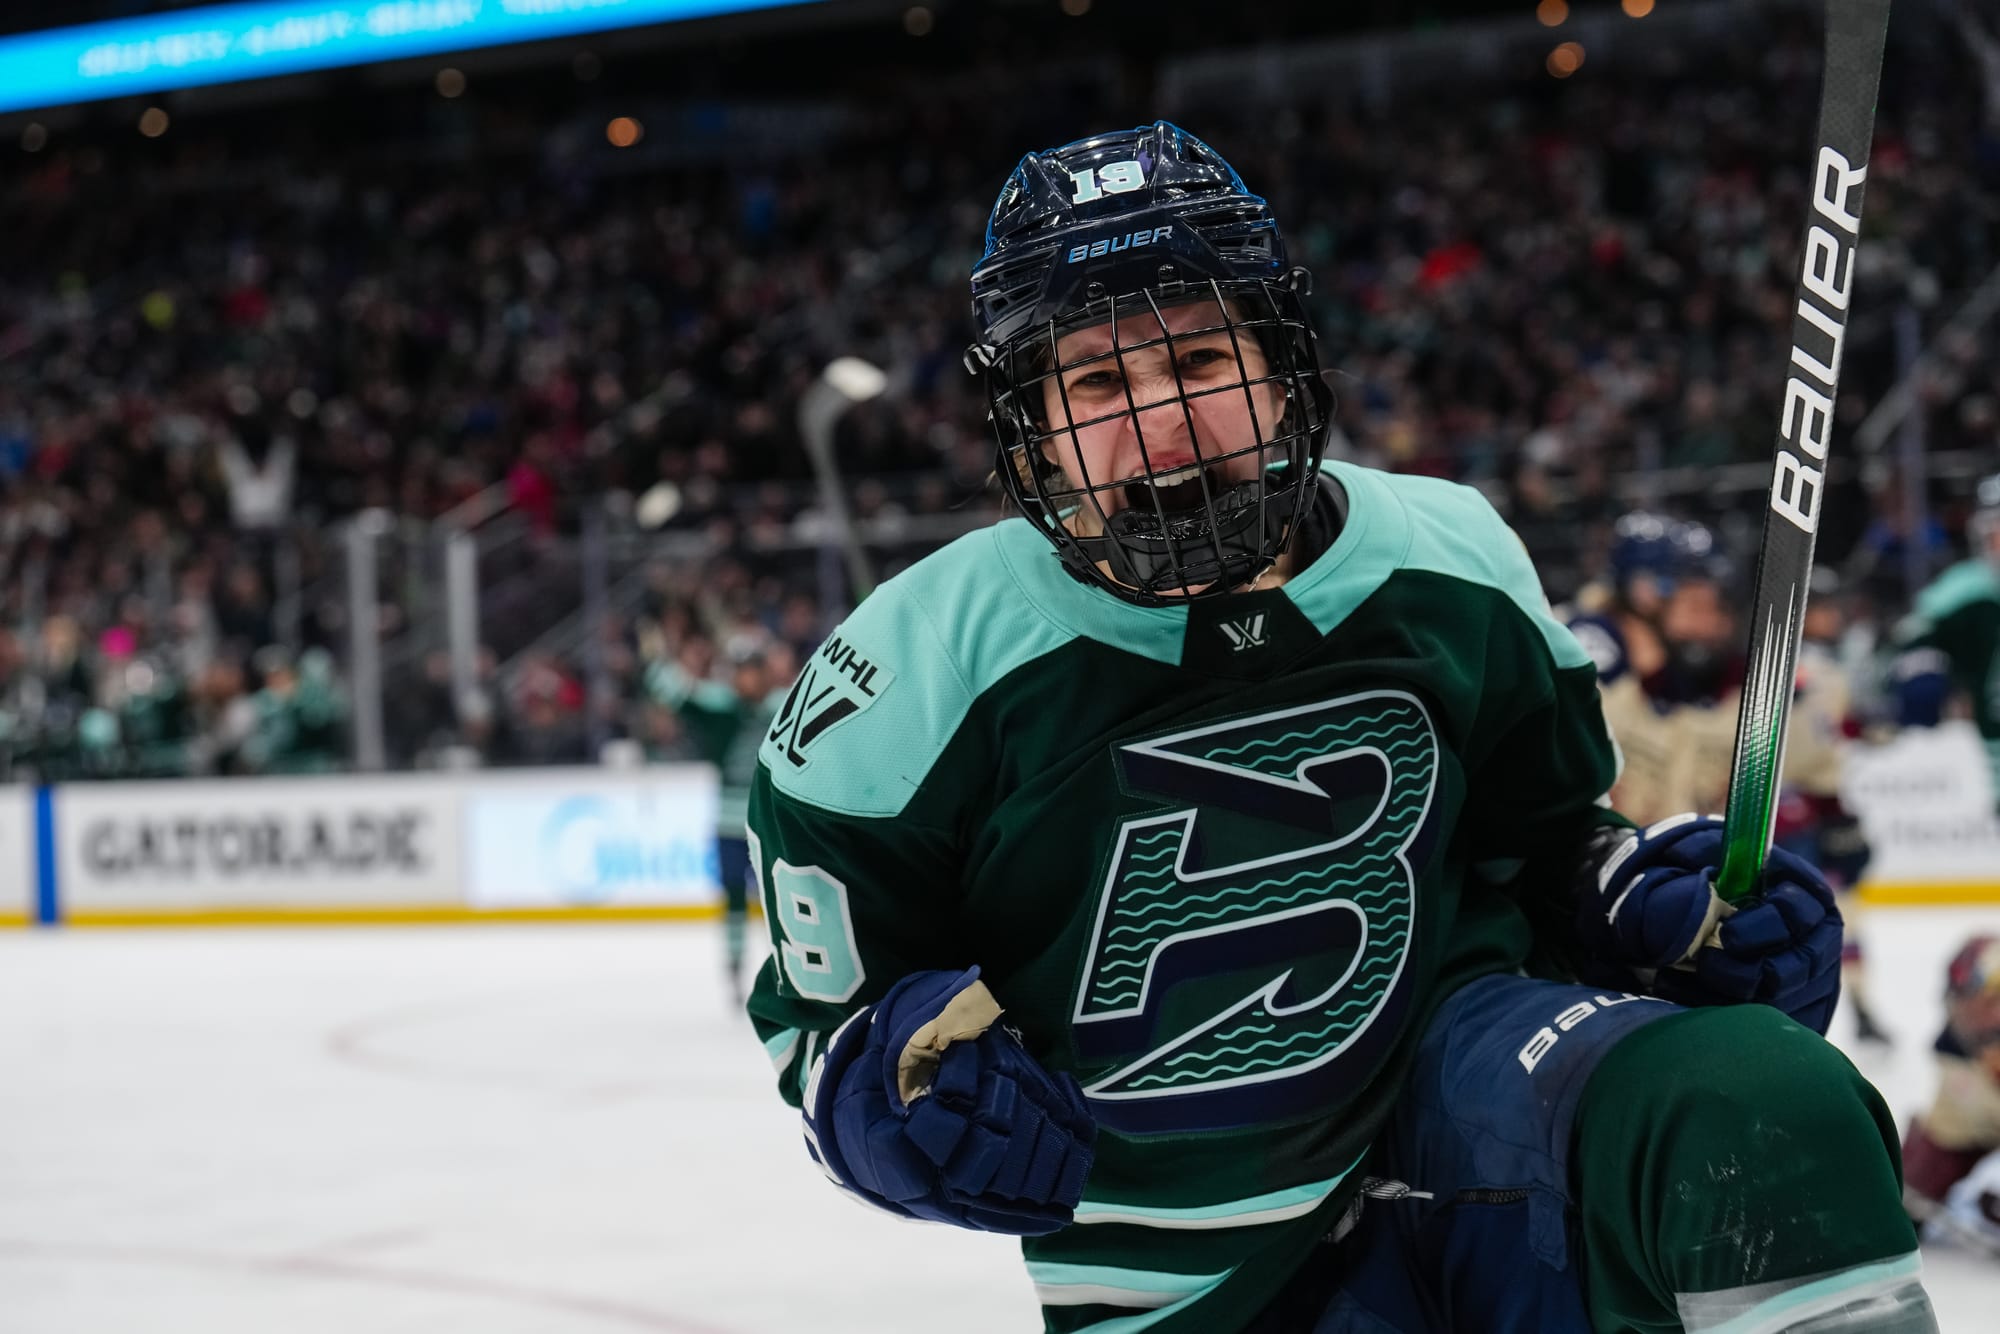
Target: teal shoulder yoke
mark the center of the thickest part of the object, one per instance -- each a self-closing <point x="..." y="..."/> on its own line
<point x="881" y="699"/>
<point x="1402" y="522"/>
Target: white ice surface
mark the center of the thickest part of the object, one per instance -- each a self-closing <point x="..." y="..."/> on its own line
<point x="507" y="1130"/>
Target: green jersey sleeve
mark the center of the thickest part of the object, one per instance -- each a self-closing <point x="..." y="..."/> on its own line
<point x="1540" y="760"/>
<point x="709" y="710"/>
<point x="855" y="846"/>
<point x="1538" y="802"/>
<point x="1544" y="785"/>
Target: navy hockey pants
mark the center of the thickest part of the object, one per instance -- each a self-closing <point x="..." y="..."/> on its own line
<point x="1482" y="1134"/>
<point x="1750" y="1175"/>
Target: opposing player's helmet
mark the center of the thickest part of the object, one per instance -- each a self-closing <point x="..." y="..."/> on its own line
<point x="1974" y="970"/>
<point x="1669" y="550"/>
<point x="1132" y="224"/>
<point x="1972" y="993"/>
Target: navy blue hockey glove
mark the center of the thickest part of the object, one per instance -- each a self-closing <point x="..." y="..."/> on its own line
<point x="1652" y="904"/>
<point x="996" y="1143"/>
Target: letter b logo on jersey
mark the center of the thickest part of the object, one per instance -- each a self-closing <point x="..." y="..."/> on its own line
<point x="1248" y="955"/>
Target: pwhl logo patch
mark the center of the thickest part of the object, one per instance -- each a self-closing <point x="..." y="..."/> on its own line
<point x="1247" y="633"/>
<point x="835" y="686"/>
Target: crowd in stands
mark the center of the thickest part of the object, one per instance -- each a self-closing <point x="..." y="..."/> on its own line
<point x="212" y="353"/>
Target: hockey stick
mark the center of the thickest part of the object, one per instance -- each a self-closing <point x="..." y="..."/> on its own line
<point x="1855" y="34"/>
<point x="845" y="382"/>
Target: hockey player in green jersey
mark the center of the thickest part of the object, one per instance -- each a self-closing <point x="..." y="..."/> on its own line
<point x="1951" y="641"/>
<point x="1154" y="875"/>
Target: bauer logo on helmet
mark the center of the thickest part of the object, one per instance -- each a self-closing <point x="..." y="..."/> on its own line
<point x="1111" y="245"/>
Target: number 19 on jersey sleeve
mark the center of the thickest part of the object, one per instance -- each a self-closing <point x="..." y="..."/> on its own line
<point x="812" y="928"/>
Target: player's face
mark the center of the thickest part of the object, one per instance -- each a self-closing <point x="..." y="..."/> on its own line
<point x="1976" y="1021"/>
<point x="1642" y="594"/>
<point x="1825" y="621"/>
<point x="1695" y="614"/>
<point x="1125" y="413"/>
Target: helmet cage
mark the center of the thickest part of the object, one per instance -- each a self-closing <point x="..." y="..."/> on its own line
<point x="1146" y="552"/>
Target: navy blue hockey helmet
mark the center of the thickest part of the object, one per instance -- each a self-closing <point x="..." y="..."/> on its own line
<point x="1149" y="229"/>
<point x="1667" y="550"/>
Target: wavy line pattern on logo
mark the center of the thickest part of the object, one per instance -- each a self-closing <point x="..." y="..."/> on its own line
<point x="1154" y="900"/>
<point x="1238" y="755"/>
<point x="1123" y="961"/>
<point x="1299" y="1047"/>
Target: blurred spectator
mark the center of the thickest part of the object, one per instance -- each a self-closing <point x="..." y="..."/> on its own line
<point x="299" y="716"/>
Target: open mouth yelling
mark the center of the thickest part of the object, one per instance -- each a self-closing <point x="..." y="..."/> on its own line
<point x="1177" y="490"/>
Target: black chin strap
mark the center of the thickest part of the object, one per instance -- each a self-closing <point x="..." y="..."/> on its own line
<point x="1320" y="528"/>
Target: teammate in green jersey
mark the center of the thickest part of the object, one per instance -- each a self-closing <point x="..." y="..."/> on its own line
<point x="728" y="721"/>
<point x="1951" y="640"/>
<point x="1156" y="875"/>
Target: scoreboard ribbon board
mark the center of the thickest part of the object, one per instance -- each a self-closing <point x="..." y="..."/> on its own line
<point x="228" y="43"/>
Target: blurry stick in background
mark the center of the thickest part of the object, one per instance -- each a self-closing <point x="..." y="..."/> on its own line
<point x="845" y="382"/>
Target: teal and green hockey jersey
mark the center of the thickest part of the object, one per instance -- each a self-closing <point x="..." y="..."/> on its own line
<point x="1958" y="617"/>
<point x="1220" y="861"/>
